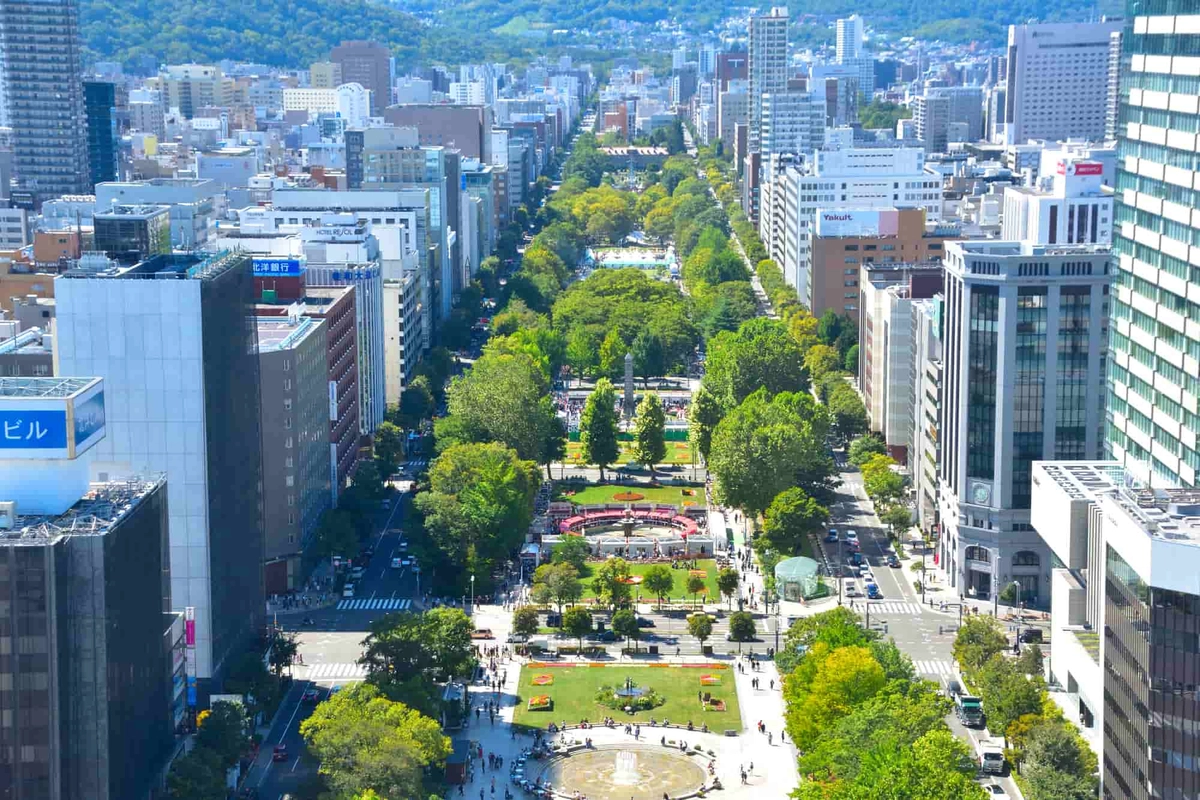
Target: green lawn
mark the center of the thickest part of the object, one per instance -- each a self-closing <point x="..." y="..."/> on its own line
<point x="681" y="575"/>
<point x="677" y="453"/>
<point x="603" y="493"/>
<point x="573" y="693"/>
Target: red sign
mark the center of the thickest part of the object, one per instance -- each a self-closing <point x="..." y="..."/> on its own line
<point x="1080" y="168"/>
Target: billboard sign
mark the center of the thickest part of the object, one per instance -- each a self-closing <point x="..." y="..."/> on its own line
<point x="1080" y="168"/>
<point x="48" y="426"/>
<point x="278" y="267"/>
<point x="847" y="223"/>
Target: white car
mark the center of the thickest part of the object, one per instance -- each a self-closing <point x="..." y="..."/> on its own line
<point x="348" y="590"/>
<point x="397" y="563"/>
<point x="407" y="562"/>
<point x="851" y="536"/>
<point x="995" y="791"/>
<point x="356" y="573"/>
<point x="851" y="590"/>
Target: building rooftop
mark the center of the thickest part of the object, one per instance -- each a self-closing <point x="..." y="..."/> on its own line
<point x="1164" y="513"/>
<point x="179" y="266"/>
<point x="27" y="341"/>
<point x="282" y="333"/>
<point x="139" y="211"/>
<point x="44" y="387"/>
<point x="96" y="513"/>
<point x="996" y="248"/>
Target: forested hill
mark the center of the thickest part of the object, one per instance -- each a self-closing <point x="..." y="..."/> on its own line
<point x="298" y="32"/>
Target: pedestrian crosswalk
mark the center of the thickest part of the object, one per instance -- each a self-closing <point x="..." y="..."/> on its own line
<point x="318" y="672"/>
<point x="936" y="667"/>
<point x="888" y="607"/>
<point x="381" y="604"/>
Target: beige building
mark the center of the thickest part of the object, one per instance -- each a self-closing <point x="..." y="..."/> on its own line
<point x="325" y="75"/>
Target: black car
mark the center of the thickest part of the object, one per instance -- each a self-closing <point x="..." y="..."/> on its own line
<point x="893" y="561"/>
<point x="1031" y="636"/>
<point x="645" y="622"/>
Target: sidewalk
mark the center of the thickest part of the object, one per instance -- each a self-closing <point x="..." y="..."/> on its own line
<point x="774" y="765"/>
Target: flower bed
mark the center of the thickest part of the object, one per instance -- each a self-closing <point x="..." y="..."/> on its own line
<point x="540" y="702"/>
<point x="648" y="699"/>
<point x="710" y="680"/>
<point x="628" y="497"/>
<point x="543" y="680"/>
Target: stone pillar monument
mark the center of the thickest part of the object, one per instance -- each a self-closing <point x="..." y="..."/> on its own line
<point x="629" y="407"/>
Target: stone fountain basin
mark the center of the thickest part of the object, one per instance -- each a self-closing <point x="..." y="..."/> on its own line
<point x="661" y="769"/>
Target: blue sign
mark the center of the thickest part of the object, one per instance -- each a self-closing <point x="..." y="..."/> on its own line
<point x="89" y="418"/>
<point x="277" y="267"/>
<point x="28" y="429"/>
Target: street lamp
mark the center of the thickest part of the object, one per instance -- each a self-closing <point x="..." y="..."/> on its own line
<point x="472" y="594"/>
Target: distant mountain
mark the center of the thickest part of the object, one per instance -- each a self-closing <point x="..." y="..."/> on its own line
<point x="278" y="32"/>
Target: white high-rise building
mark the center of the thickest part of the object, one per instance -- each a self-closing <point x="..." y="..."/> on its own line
<point x="1026" y="332"/>
<point x="1069" y="205"/>
<point x="849" y="38"/>
<point x="792" y="122"/>
<point x="851" y="178"/>
<point x="1058" y="81"/>
<point x="766" y="65"/>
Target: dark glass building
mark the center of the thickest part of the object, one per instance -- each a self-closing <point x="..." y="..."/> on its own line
<point x="99" y="101"/>
<point x="85" y="668"/>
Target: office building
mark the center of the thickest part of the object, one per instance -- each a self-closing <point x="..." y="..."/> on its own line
<point x="404" y="340"/>
<point x="466" y="128"/>
<point x="849" y="38"/>
<point x="341" y="251"/>
<point x="925" y="446"/>
<point x="889" y="294"/>
<point x="28" y="354"/>
<point x="835" y="181"/>
<point x="132" y="233"/>
<point x="293" y="370"/>
<point x="1069" y="204"/>
<point x="766" y="64"/>
<point x="1023" y="377"/>
<point x="1112" y="115"/>
<point x="792" y="122"/>
<point x="325" y="75"/>
<point x="42" y="64"/>
<point x="194" y="203"/>
<point x="368" y="64"/>
<point x="187" y="88"/>
<point x="941" y="110"/>
<point x="1123" y="613"/>
<point x="100" y="101"/>
<point x="15" y="230"/>
<point x="733" y="108"/>
<point x="1057" y="84"/>
<point x="1154" y="383"/>
<point x="173" y="337"/>
<point x="731" y="67"/>
<point x="90" y="693"/>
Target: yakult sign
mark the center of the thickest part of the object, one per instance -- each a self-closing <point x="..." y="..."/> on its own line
<point x="847" y="223"/>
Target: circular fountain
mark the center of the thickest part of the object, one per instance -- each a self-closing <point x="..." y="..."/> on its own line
<point x="625" y="773"/>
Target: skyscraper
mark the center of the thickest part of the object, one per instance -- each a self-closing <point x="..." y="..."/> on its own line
<point x="849" y="38"/>
<point x="370" y="65"/>
<point x="42" y="54"/>
<point x="174" y="338"/>
<point x="1057" y="85"/>
<point x="1023" y="378"/>
<point x="767" y="65"/>
<point x="100" y="99"/>
<point x="1155" y="365"/>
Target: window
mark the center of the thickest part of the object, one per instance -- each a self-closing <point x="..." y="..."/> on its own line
<point x="287" y="404"/>
<point x="289" y="481"/>
<point x="1026" y="558"/>
<point x="977" y="553"/>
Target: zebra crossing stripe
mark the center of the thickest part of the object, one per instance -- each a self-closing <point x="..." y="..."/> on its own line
<point x="935" y="667"/>
<point x="386" y="604"/>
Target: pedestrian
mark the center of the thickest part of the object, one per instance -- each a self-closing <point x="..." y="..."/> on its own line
<point x="770" y="738"/>
<point x="772" y="684"/>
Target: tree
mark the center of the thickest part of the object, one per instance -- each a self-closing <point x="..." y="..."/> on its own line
<point x="598" y="427"/>
<point x="612" y="355"/>
<point x="389" y="446"/>
<point x="495" y="401"/>
<point x="363" y="740"/>
<point x="624" y="624"/>
<point x="562" y="579"/>
<point x="760" y="354"/>
<point x="703" y="416"/>
<point x="847" y="409"/>
<point x="977" y="640"/>
<point x="850" y="363"/>
<point x="554" y="438"/>
<point x="577" y="621"/>
<point x="571" y="550"/>
<point x="1007" y="693"/>
<point x="198" y="775"/>
<point x="1055" y="746"/>
<point x="742" y="628"/>
<point x="582" y="354"/>
<point x="727" y="583"/>
<point x="434" y="645"/>
<point x="862" y="448"/>
<point x="650" y="446"/>
<point x="700" y="627"/>
<point x="827" y="685"/>
<point x="829" y="326"/>
<point x="611" y="582"/>
<point x="284" y="647"/>
<point x="525" y="620"/>
<point x="660" y="581"/>
<point x="222" y="729"/>
<point x="791" y="517"/>
<point x="882" y="483"/>
<point x="821" y="360"/>
<point x="648" y="357"/>
<point x="1047" y="784"/>
<point x="696" y="585"/>
<point x="416" y="403"/>
<point x="336" y="534"/>
<point x="897" y="517"/>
